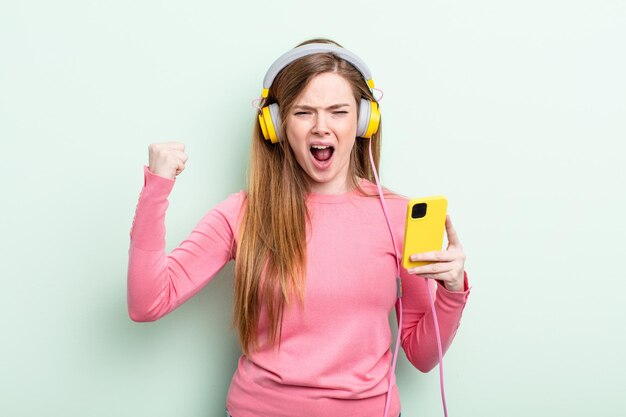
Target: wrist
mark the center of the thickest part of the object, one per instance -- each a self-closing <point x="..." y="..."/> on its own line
<point x="456" y="287"/>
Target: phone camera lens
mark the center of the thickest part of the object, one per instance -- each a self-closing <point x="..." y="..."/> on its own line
<point x="418" y="211"/>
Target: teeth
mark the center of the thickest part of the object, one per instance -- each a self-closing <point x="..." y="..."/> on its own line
<point x="320" y="147"/>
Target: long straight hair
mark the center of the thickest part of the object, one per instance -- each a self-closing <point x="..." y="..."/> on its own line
<point x="271" y="258"/>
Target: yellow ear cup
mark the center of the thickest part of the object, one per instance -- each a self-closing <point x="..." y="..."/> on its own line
<point x="267" y="125"/>
<point x="374" y="121"/>
<point x="263" y="127"/>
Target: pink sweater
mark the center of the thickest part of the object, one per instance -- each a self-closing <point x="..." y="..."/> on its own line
<point x="335" y="352"/>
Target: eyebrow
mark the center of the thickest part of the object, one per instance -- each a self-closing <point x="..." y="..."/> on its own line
<point x="334" y="106"/>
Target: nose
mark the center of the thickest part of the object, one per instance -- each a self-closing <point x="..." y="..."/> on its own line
<point x="320" y="127"/>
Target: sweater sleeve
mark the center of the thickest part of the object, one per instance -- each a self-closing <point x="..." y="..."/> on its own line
<point x="418" y="336"/>
<point x="158" y="283"/>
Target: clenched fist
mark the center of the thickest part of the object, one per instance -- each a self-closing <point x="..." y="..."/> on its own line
<point x="167" y="159"/>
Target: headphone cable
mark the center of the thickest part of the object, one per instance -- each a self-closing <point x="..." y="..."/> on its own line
<point x="399" y="284"/>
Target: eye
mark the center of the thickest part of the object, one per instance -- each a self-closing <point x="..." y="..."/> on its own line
<point x="341" y="112"/>
<point x="301" y="113"/>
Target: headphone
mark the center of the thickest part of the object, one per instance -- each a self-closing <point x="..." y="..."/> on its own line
<point x="269" y="116"/>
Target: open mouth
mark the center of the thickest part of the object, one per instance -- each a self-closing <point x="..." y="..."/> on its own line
<point x="322" y="153"/>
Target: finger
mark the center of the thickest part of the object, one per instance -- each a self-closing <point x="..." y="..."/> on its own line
<point x="180" y="155"/>
<point x="437" y="256"/>
<point x="180" y="168"/>
<point x="433" y="277"/>
<point x="436" y="268"/>
<point x="453" y="238"/>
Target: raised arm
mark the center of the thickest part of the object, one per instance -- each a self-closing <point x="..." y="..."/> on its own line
<point x="159" y="282"/>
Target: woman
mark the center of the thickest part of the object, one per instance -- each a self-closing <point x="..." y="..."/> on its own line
<point x="315" y="264"/>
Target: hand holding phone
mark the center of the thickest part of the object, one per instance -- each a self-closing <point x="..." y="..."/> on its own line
<point x="426" y="220"/>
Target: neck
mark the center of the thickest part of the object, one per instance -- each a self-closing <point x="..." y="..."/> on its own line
<point x="336" y="186"/>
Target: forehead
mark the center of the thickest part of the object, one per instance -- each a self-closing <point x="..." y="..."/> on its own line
<point x="326" y="89"/>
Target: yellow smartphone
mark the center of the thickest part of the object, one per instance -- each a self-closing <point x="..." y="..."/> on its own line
<point x="424" y="227"/>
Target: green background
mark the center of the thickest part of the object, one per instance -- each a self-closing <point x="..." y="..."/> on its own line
<point x="515" y="110"/>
